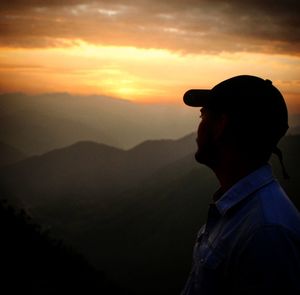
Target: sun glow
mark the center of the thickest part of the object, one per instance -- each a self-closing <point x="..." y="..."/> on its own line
<point x="144" y="75"/>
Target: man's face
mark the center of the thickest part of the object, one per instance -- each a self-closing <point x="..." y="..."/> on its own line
<point x="206" y="139"/>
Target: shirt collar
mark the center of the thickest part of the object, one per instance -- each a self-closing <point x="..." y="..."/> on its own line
<point x="244" y="187"/>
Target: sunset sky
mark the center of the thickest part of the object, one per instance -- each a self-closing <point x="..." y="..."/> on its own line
<point x="147" y="50"/>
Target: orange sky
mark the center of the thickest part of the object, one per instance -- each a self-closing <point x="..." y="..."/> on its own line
<point x="147" y="51"/>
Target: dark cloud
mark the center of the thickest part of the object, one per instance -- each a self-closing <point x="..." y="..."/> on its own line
<point x="186" y="26"/>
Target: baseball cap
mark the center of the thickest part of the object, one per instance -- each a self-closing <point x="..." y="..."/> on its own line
<point x="243" y="92"/>
<point x="251" y="101"/>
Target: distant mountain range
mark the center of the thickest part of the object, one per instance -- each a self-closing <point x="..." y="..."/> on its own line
<point x="36" y="124"/>
<point x="133" y="213"/>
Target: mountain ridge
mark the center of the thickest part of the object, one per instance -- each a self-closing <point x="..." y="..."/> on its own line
<point x="126" y="212"/>
<point x="39" y="123"/>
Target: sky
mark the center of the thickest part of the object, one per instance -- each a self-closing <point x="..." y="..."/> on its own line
<point x="148" y="51"/>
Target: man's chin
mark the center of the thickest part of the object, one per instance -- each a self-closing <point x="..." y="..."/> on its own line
<point x="204" y="159"/>
<point x="199" y="158"/>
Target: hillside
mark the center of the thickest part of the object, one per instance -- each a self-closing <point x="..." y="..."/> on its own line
<point x="132" y="213"/>
<point x="10" y="154"/>
<point x="88" y="171"/>
<point x="43" y="265"/>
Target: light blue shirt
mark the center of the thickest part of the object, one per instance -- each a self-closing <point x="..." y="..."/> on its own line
<point x="250" y="243"/>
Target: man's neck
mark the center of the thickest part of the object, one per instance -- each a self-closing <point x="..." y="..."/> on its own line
<point x="230" y="171"/>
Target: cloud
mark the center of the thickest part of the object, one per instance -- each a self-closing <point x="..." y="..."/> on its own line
<point x="189" y="26"/>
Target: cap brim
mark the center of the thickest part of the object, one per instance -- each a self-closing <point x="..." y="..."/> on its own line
<point x="197" y="97"/>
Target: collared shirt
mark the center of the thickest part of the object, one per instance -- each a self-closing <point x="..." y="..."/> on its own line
<point x="250" y="243"/>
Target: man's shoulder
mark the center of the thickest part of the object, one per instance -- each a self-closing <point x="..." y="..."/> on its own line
<point x="271" y="207"/>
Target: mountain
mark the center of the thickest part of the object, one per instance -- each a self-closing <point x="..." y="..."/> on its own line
<point x="93" y="170"/>
<point x="40" y="123"/>
<point x="290" y="146"/>
<point x="9" y="154"/>
<point x="132" y="213"/>
<point x="85" y="188"/>
<point x="295" y="130"/>
<point x="37" y="124"/>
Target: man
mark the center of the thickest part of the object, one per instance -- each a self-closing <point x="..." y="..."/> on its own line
<point x="251" y="240"/>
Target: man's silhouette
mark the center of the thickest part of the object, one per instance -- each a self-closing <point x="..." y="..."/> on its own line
<point x="250" y="243"/>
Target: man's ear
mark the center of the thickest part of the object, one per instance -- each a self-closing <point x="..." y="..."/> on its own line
<point x="220" y="127"/>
